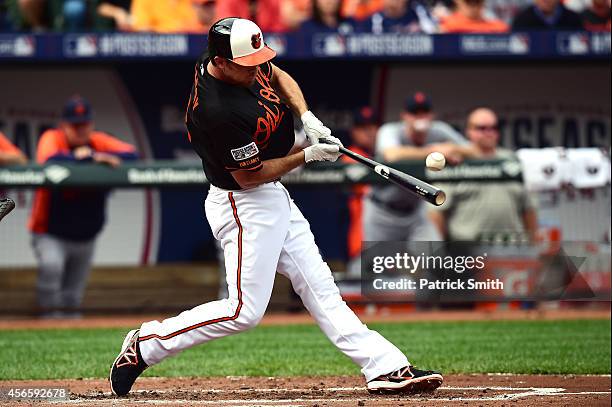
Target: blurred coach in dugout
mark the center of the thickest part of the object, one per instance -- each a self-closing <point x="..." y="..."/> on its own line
<point x="363" y="141"/>
<point x="9" y="154"/>
<point x="390" y="212"/>
<point x="474" y="211"/>
<point x="66" y="221"/>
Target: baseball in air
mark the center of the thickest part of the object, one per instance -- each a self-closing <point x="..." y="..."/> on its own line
<point x="435" y="161"/>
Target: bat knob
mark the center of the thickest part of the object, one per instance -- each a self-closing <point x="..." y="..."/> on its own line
<point x="440" y="198"/>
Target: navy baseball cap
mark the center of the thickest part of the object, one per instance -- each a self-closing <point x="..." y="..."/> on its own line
<point x="418" y="102"/>
<point x="364" y="115"/>
<point x="77" y="110"/>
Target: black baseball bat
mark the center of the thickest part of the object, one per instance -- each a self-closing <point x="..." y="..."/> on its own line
<point x="6" y="205"/>
<point x="421" y="189"/>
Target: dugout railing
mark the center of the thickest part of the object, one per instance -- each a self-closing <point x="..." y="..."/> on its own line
<point x="161" y="201"/>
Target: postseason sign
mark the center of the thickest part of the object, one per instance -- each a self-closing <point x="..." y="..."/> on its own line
<point x="125" y="45"/>
<point x="372" y="45"/>
<point x="513" y="44"/>
<point x="301" y="46"/>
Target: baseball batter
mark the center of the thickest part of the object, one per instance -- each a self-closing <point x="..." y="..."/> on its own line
<point x="240" y="122"/>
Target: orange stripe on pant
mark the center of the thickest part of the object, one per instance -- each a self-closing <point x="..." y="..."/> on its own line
<point x="217" y="320"/>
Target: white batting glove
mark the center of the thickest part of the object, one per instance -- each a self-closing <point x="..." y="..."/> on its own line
<point x="313" y="128"/>
<point x="331" y="140"/>
<point x="322" y="152"/>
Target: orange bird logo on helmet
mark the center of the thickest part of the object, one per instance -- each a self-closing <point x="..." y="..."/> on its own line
<point x="256" y="40"/>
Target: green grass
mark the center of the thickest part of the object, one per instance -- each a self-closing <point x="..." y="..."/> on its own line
<point x="547" y="347"/>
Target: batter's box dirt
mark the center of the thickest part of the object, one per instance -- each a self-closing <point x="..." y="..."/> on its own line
<point x="494" y="390"/>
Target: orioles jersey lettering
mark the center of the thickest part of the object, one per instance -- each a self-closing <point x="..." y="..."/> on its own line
<point x="235" y="127"/>
<point x="266" y="91"/>
<point x="267" y="125"/>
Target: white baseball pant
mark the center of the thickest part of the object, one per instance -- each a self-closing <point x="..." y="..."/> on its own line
<point x="262" y="231"/>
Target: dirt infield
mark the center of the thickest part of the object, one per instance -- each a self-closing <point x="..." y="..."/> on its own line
<point x="460" y="390"/>
<point x="126" y="321"/>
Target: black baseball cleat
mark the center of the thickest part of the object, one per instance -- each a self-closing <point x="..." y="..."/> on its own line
<point x="406" y="380"/>
<point x="6" y="205"/>
<point x="127" y="366"/>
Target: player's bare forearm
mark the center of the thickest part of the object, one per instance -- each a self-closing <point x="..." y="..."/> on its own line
<point x="271" y="170"/>
<point x="289" y="90"/>
<point x="12" y="159"/>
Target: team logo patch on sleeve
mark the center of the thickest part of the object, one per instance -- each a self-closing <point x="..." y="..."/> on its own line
<point x="242" y="153"/>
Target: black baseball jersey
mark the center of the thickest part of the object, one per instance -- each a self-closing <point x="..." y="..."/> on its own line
<point x="234" y="127"/>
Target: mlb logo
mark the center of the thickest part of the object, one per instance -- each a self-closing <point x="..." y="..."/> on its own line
<point x="17" y="46"/>
<point x="81" y="45"/>
<point x="277" y="43"/>
<point x="25" y="46"/>
<point x="519" y="44"/>
<point x="329" y="45"/>
<point x="573" y="44"/>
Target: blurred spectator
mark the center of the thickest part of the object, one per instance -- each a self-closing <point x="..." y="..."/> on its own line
<point x="505" y="10"/>
<point x="9" y="154"/>
<point x="115" y="14"/>
<point x="295" y="12"/>
<point x="547" y="15"/>
<point x="75" y="15"/>
<point x="326" y="17"/>
<point x="9" y="15"/>
<point x="476" y="209"/>
<point x="266" y="13"/>
<point x="206" y="12"/>
<point x="597" y="16"/>
<point x="59" y="15"/>
<point x="35" y="13"/>
<point x="577" y="6"/>
<point x="390" y="213"/>
<point x="400" y="16"/>
<point x="441" y="9"/>
<point x="470" y="18"/>
<point x="167" y="16"/>
<point x="363" y="142"/>
<point x="65" y="222"/>
<point x="360" y="9"/>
